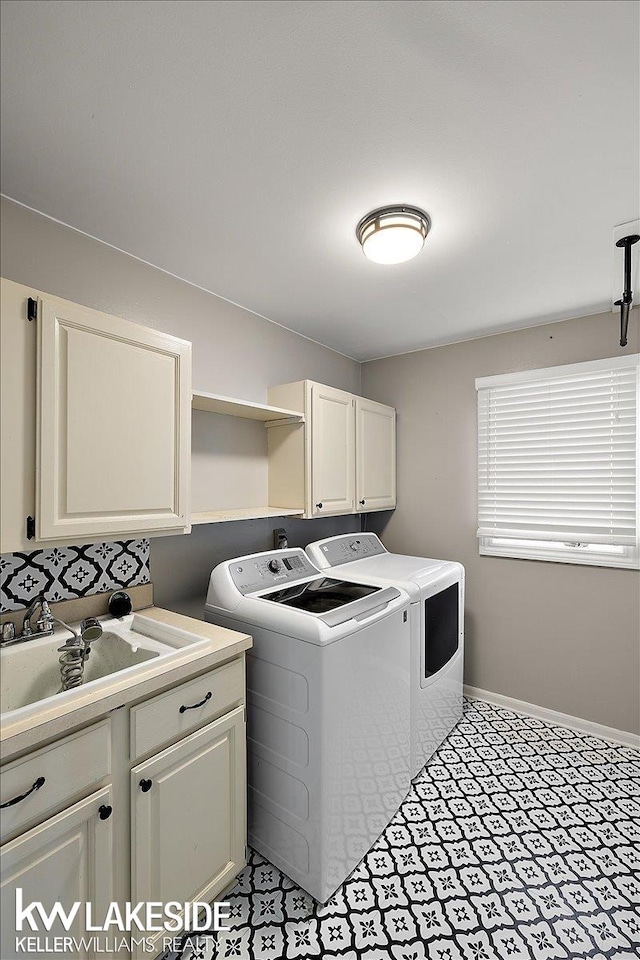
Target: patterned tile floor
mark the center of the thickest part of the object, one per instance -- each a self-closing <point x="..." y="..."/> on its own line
<point x="518" y="840"/>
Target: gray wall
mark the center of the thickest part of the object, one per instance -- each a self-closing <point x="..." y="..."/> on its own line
<point x="235" y="353"/>
<point x="563" y="636"/>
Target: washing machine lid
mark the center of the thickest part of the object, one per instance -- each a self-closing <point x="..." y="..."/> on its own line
<point x="333" y="601"/>
<point x="363" y="555"/>
<point x="322" y="595"/>
<point x="413" y="574"/>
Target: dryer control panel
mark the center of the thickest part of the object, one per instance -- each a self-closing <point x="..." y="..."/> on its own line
<point x="354" y="546"/>
<point x="269" y="569"/>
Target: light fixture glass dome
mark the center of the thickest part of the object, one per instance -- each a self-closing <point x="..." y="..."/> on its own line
<point x="393" y="234"/>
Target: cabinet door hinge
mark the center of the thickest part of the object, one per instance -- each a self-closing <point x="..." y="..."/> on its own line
<point x="32" y="309"/>
<point x="31" y="528"/>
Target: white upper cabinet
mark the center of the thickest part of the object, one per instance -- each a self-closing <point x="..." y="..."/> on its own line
<point x="375" y="456"/>
<point x="332" y="462"/>
<point x="343" y="453"/>
<point x="110" y="429"/>
<point x="113" y="425"/>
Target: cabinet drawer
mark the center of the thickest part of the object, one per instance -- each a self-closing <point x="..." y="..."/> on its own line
<point x="69" y="768"/>
<point x="176" y="712"/>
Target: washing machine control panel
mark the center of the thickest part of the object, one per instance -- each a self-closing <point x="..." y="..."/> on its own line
<point x="260" y="573"/>
<point x="353" y="547"/>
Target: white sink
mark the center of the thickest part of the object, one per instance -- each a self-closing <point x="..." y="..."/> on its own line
<point x="31" y="673"/>
<point x="129" y="650"/>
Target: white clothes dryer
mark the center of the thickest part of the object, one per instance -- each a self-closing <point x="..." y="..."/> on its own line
<point x="436" y="589"/>
<point x="328" y="680"/>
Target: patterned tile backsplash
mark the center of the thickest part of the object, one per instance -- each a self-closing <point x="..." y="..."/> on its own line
<point x="66" y="573"/>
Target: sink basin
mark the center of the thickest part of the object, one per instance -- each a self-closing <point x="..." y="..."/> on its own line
<point x="30" y="674"/>
<point x="130" y="650"/>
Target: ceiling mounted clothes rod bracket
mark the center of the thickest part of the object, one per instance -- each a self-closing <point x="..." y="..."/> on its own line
<point x="627" y="295"/>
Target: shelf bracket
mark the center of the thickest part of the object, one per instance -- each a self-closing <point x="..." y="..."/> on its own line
<point x="283" y="422"/>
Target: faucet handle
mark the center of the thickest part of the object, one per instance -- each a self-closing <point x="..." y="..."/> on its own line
<point x="8" y="632"/>
<point x="45" y="622"/>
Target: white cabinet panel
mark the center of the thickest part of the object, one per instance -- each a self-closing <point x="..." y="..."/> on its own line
<point x="188" y="807"/>
<point x="342" y="459"/>
<point x="375" y="456"/>
<point x="17" y="417"/>
<point x="114" y="413"/>
<point x="95" y="424"/>
<point x="65" y="770"/>
<point x="94" y="407"/>
<point x="332" y="451"/>
<point x="66" y="859"/>
<point x="178" y="711"/>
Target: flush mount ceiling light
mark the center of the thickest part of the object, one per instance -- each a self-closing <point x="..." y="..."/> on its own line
<point x="393" y="234"/>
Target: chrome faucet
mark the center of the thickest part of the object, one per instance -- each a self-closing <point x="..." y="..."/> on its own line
<point x="44" y="624"/>
<point x="73" y="653"/>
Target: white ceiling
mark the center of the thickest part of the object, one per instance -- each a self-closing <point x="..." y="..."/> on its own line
<point x="237" y="144"/>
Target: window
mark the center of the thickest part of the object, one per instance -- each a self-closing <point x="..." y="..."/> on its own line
<point x="558" y="463"/>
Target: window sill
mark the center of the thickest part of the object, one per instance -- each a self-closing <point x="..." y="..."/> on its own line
<point x="629" y="560"/>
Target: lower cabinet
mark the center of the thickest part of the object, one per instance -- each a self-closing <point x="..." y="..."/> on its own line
<point x="66" y="859"/>
<point x="177" y="818"/>
<point x="188" y="816"/>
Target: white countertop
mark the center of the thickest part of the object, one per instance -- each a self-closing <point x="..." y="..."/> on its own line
<point x="209" y="646"/>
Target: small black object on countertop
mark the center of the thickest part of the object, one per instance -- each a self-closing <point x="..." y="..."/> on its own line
<point x="120" y="604"/>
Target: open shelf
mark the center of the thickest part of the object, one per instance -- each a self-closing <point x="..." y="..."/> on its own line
<point x="215" y="403"/>
<point x="245" y="513"/>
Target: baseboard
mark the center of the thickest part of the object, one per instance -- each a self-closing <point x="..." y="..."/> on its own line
<point x="552" y="716"/>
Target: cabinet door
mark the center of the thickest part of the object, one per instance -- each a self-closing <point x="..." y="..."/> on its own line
<point x="375" y="456"/>
<point x="332" y="452"/>
<point x="188" y="807"/>
<point x="65" y="860"/>
<point x="114" y="420"/>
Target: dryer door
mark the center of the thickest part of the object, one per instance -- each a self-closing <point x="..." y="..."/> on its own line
<point x="441" y="630"/>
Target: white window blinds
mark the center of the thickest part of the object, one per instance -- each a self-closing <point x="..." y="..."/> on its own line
<point x="558" y="454"/>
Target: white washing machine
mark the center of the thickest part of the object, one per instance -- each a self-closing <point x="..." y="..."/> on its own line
<point x="436" y="589"/>
<point x="328" y="681"/>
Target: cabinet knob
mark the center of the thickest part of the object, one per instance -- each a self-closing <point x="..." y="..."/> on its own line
<point x="363" y="502"/>
<point x="105" y="811"/>
<point x="145" y="785"/>
<point x="319" y="506"/>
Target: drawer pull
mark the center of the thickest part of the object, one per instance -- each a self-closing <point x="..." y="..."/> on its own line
<point x="35" y="786"/>
<point x="145" y="785"/>
<point x="105" y="811"/>
<point x="194" y="706"/>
